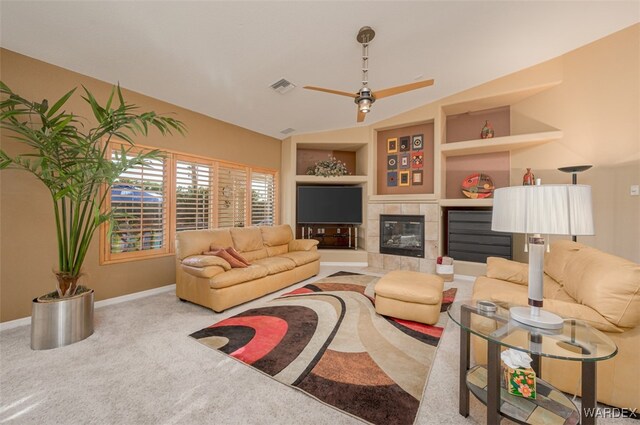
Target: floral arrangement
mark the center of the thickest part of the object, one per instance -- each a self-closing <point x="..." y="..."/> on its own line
<point x="328" y="168"/>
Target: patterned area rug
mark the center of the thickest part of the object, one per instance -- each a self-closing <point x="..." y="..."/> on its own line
<point x="326" y="339"/>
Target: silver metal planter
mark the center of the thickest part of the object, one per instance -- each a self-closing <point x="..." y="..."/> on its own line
<point x="61" y="322"/>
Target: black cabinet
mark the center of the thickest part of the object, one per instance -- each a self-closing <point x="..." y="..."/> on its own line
<point x="330" y="235"/>
<point x="470" y="238"/>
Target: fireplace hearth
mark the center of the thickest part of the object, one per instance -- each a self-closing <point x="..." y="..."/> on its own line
<point x="402" y="235"/>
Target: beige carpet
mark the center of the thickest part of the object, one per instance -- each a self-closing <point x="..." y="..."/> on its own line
<point x="140" y="367"/>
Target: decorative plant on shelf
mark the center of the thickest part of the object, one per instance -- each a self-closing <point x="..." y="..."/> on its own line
<point x="72" y="163"/>
<point x="331" y="167"/>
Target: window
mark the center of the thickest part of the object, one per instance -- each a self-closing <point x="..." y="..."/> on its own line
<point x="138" y="198"/>
<point x="194" y="196"/>
<point x="263" y="199"/>
<point x="182" y="192"/>
<point x="232" y="196"/>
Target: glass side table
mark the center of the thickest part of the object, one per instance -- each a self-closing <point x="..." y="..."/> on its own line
<point x="576" y="341"/>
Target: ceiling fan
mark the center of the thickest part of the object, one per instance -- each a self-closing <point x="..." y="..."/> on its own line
<point x="365" y="97"/>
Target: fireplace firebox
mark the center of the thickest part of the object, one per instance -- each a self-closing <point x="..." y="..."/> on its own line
<point x="402" y="235"/>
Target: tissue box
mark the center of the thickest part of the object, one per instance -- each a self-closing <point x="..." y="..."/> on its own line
<point x="520" y="382"/>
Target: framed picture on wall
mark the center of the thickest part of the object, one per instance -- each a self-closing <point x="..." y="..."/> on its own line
<point x="416" y="178"/>
<point x="404" y="160"/>
<point x="417" y="142"/>
<point x="392" y="178"/>
<point x="392" y="145"/>
<point x="392" y="162"/>
<point x="405" y="144"/>
<point x="404" y="178"/>
<point x="417" y="159"/>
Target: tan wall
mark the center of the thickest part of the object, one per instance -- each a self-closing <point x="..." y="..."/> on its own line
<point x="28" y="250"/>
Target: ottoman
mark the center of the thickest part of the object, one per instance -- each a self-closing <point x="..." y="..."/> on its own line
<point x="410" y="295"/>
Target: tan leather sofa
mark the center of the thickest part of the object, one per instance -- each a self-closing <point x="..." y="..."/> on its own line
<point x="277" y="261"/>
<point x="587" y="284"/>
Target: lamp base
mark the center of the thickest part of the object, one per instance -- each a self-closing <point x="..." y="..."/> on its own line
<point x="544" y="319"/>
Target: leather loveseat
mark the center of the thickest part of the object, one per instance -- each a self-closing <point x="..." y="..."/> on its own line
<point x="276" y="261"/>
<point x="587" y="284"/>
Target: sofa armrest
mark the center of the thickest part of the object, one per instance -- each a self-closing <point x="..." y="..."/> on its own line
<point x="303" y="245"/>
<point x="204" y="272"/>
<point x="202" y="261"/>
<point x="511" y="271"/>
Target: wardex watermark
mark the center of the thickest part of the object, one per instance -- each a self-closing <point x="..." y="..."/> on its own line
<point x="610" y="412"/>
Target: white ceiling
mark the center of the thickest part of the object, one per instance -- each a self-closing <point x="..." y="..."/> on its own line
<point x="219" y="58"/>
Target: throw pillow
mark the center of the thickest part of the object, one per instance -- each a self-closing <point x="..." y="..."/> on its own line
<point x="235" y="263"/>
<point x="232" y="251"/>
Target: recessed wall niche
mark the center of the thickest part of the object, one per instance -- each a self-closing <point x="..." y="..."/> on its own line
<point x="308" y="157"/>
<point x="405" y="160"/>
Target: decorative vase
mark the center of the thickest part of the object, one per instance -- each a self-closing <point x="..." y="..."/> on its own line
<point x="487" y="131"/>
<point x="528" y="179"/>
<point x="61" y="322"/>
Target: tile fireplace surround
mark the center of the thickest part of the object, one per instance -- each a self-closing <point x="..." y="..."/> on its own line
<point x="430" y="211"/>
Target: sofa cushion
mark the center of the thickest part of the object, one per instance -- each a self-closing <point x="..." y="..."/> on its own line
<point x="276" y="235"/>
<point x="607" y="283"/>
<point x="302" y="244"/>
<point x="252" y="256"/>
<point x="554" y="291"/>
<point x="206" y="261"/>
<point x="236" y="276"/>
<point x="301" y="257"/>
<point x="194" y="242"/>
<point x="246" y="239"/>
<point x="272" y="251"/>
<point x="276" y="265"/>
<point x="560" y="253"/>
<point x="512" y="271"/>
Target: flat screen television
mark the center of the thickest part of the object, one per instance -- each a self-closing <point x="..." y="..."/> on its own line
<point x="329" y="205"/>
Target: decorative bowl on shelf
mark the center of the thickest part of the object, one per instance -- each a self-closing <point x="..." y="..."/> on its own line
<point x="477" y="186"/>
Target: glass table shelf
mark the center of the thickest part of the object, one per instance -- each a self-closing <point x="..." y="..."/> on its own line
<point x="550" y="405"/>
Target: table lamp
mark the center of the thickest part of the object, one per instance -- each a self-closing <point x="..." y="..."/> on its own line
<point x="536" y="211"/>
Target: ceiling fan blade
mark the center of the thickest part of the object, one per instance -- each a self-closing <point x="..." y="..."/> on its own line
<point x="379" y="94"/>
<point x="361" y="115"/>
<point x="341" y="93"/>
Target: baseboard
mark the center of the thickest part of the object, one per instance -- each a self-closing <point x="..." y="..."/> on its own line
<point x="344" y="264"/>
<point x="15" y="323"/>
<point x="134" y="296"/>
<point x="98" y="304"/>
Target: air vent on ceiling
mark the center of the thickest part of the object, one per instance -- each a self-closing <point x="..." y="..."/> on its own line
<point x="288" y="130"/>
<point x="283" y="86"/>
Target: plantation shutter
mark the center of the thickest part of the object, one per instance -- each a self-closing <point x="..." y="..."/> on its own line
<point x="263" y="211"/>
<point x="193" y="194"/>
<point x="139" y="202"/>
<point x="232" y="196"/>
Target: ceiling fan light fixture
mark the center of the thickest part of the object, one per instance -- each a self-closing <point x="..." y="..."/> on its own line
<point x="364" y="105"/>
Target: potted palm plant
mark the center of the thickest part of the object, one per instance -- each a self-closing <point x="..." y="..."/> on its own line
<point x="71" y="162"/>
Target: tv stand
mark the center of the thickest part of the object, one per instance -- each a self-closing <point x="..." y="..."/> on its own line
<point x="331" y="236"/>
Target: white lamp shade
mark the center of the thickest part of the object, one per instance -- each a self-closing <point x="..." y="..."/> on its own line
<point x="547" y="209"/>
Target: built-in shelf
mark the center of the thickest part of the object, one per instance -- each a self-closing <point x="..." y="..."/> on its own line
<point x="487" y="202"/>
<point x="332" y="180"/>
<point x="403" y="198"/>
<point x="499" y="144"/>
